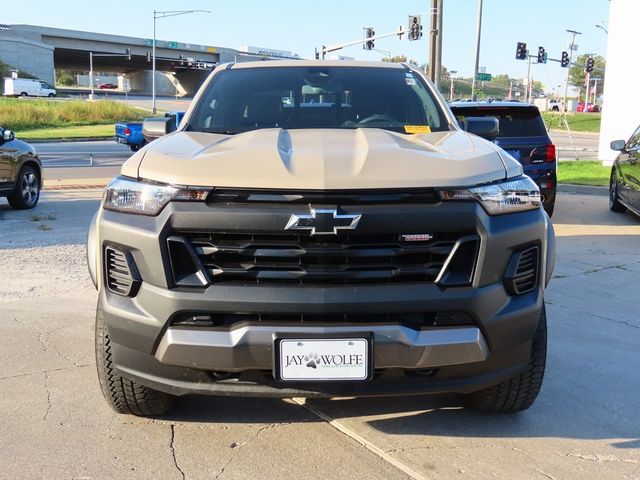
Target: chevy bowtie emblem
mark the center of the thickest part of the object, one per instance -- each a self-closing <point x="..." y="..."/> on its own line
<point x="323" y="222"/>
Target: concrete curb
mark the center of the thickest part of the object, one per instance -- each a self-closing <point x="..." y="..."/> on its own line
<point x="64" y="140"/>
<point x="75" y="183"/>
<point x="583" y="189"/>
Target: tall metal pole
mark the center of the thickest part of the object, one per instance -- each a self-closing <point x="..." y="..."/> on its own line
<point x="451" y="74"/>
<point x="477" y="63"/>
<point x="438" y="71"/>
<point x="566" y="85"/>
<point x="433" y="33"/>
<point x="153" y="68"/>
<point x="91" y="75"/>
<point x="527" y="97"/>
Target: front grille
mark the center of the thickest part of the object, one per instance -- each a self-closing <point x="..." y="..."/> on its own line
<point x="341" y="259"/>
<point x="522" y="273"/>
<point x="121" y="274"/>
<point x="413" y="320"/>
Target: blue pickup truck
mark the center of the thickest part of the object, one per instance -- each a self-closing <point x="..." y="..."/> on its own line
<point x="130" y="133"/>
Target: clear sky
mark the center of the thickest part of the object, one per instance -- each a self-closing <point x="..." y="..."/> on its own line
<point x="300" y="26"/>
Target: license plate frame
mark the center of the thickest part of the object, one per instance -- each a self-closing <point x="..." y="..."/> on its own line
<point x="363" y="343"/>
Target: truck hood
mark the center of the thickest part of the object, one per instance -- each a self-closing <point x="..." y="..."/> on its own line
<point x="322" y="159"/>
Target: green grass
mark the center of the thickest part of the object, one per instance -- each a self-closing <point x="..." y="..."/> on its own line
<point x="66" y="133"/>
<point x="27" y="114"/>
<point x="584" y="172"/>
<point x="578" y="122"/>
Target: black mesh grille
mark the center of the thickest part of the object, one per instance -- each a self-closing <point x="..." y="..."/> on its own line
<point x="341" y="259"/>
<point x="121" y="275"/>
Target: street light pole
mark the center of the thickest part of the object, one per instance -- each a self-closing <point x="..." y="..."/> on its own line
<point x="451" y="74"/>
<point x="91" y="75"/>
<point x="477" y="62"/>
<point x="162" y="14"/>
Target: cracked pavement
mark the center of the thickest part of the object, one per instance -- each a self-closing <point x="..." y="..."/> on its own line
<point x="55" y="424"/>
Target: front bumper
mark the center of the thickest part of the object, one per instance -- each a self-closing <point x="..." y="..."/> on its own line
<point x="239" y="359"/>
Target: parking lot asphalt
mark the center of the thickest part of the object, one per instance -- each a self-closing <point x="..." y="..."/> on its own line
<point x="55" y="424"/>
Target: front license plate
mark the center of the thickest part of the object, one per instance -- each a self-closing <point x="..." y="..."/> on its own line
<point x="324" y="359"/>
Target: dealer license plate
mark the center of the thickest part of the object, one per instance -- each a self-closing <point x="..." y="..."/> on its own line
<point x="324" y="359"/>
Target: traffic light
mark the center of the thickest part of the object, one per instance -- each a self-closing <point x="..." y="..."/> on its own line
<point x="564" y="61"/>
<point x="369" y="33"/>
<point x="521" y="51"/>
<point x="542" y="55"/>
<point x="415" y="27"/>
<point x="590" y="63"/>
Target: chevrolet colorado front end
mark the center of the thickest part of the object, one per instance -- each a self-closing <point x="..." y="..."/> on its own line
<point x="320" y="229"/>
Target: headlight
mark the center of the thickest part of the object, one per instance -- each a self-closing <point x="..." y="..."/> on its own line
<point x="514" y="195"/>
<point x="126" y="195"/>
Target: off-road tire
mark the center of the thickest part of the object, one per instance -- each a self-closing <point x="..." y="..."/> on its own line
<point x="125" y="396"/>
<point x="549" y="207"/>
<point x="29" y="179"/>
<point x="614" y="200"/>
<point x="517" y="393"/>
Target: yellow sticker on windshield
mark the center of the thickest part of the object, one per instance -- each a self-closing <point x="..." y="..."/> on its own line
<point x="417" y="129"/>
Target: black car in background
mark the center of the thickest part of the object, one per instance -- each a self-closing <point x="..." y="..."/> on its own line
<point x="624" y="185"/>
<point x="20" y="171"/>
<point x="522" y="134"/>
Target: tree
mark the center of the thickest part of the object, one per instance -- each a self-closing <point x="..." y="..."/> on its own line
<point x="577" y="74"/>
<point x="396" y="59"/>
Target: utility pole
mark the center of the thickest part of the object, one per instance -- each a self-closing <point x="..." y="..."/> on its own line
<point x="433" y="40"/>
<point x="566" y="85"/>
<point x="438" y="71"/>
<point x="477" y="62"/>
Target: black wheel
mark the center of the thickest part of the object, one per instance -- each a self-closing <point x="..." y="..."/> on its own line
<point x="27" y="190"/>
<point x="125" y="396"/>
<point x="555" y="109"/>
<point x="517" y="393"/>
<point x="548" y="207"/>
<point x="24" y="94"/>
<point x="614" y="200"/>
<point x="51" y="95"/>
<point x="134" y="148"/>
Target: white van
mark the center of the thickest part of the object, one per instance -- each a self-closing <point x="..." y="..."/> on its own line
<point x="26" y="87"/>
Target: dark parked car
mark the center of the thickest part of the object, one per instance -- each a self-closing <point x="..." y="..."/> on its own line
<point x="20" y="171"/>
<point x="522" y="134"/>
<point x="107" y="86"/>
<point x="624" y="186"/>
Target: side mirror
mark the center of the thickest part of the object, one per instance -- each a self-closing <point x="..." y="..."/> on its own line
<point x="153" y="128"/>
<point x="618" y="145"/>
<point x="8" y="135"/>
<point x="485" y="127"/>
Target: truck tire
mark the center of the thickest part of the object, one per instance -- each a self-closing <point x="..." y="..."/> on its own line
<point x="135" y="148"/>
<point x="24" y="94"/>
<point x="125" y="396"/>
<point x="51" y="95"/>
<point x="518" y="393"/>
<point x="549" y="207"/>
<point x="27" y="190"/>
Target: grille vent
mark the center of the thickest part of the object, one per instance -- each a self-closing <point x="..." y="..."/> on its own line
<point x="523" y="271"/>
<point x="122" y="275"/>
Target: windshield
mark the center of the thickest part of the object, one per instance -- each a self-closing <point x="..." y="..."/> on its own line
<point x="239" y="100"/>
<point x="512" y="121"/>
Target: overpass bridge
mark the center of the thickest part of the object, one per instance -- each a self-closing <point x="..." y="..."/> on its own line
<point x="41" y="50"/>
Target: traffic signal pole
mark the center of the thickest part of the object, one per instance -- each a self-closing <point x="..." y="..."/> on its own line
<point x="477" y="62"/>
<point x="566" y="85"/>
<point x="324" y="50"/>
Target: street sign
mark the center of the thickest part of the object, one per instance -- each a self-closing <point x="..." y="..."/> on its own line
<point x="148" y="42"/>
<point x="172" y="44"/>
<point x="483" y="77"/>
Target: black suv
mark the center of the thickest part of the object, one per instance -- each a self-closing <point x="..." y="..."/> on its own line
<point x="20" y="171"/>
<point x="523" y="135"/>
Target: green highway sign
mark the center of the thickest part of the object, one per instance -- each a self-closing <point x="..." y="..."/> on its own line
<point x="172" y="44"/>
<point x="148" y="42"/>
<point x="483" y="77"/>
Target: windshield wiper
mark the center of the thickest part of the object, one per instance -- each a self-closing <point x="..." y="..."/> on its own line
<point x="218" y="130"/>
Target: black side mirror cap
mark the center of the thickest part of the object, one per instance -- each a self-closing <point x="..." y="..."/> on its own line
<point x="618" y="145"/>
<point x="153" y="127"/>
<point x="485" y="127"/>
